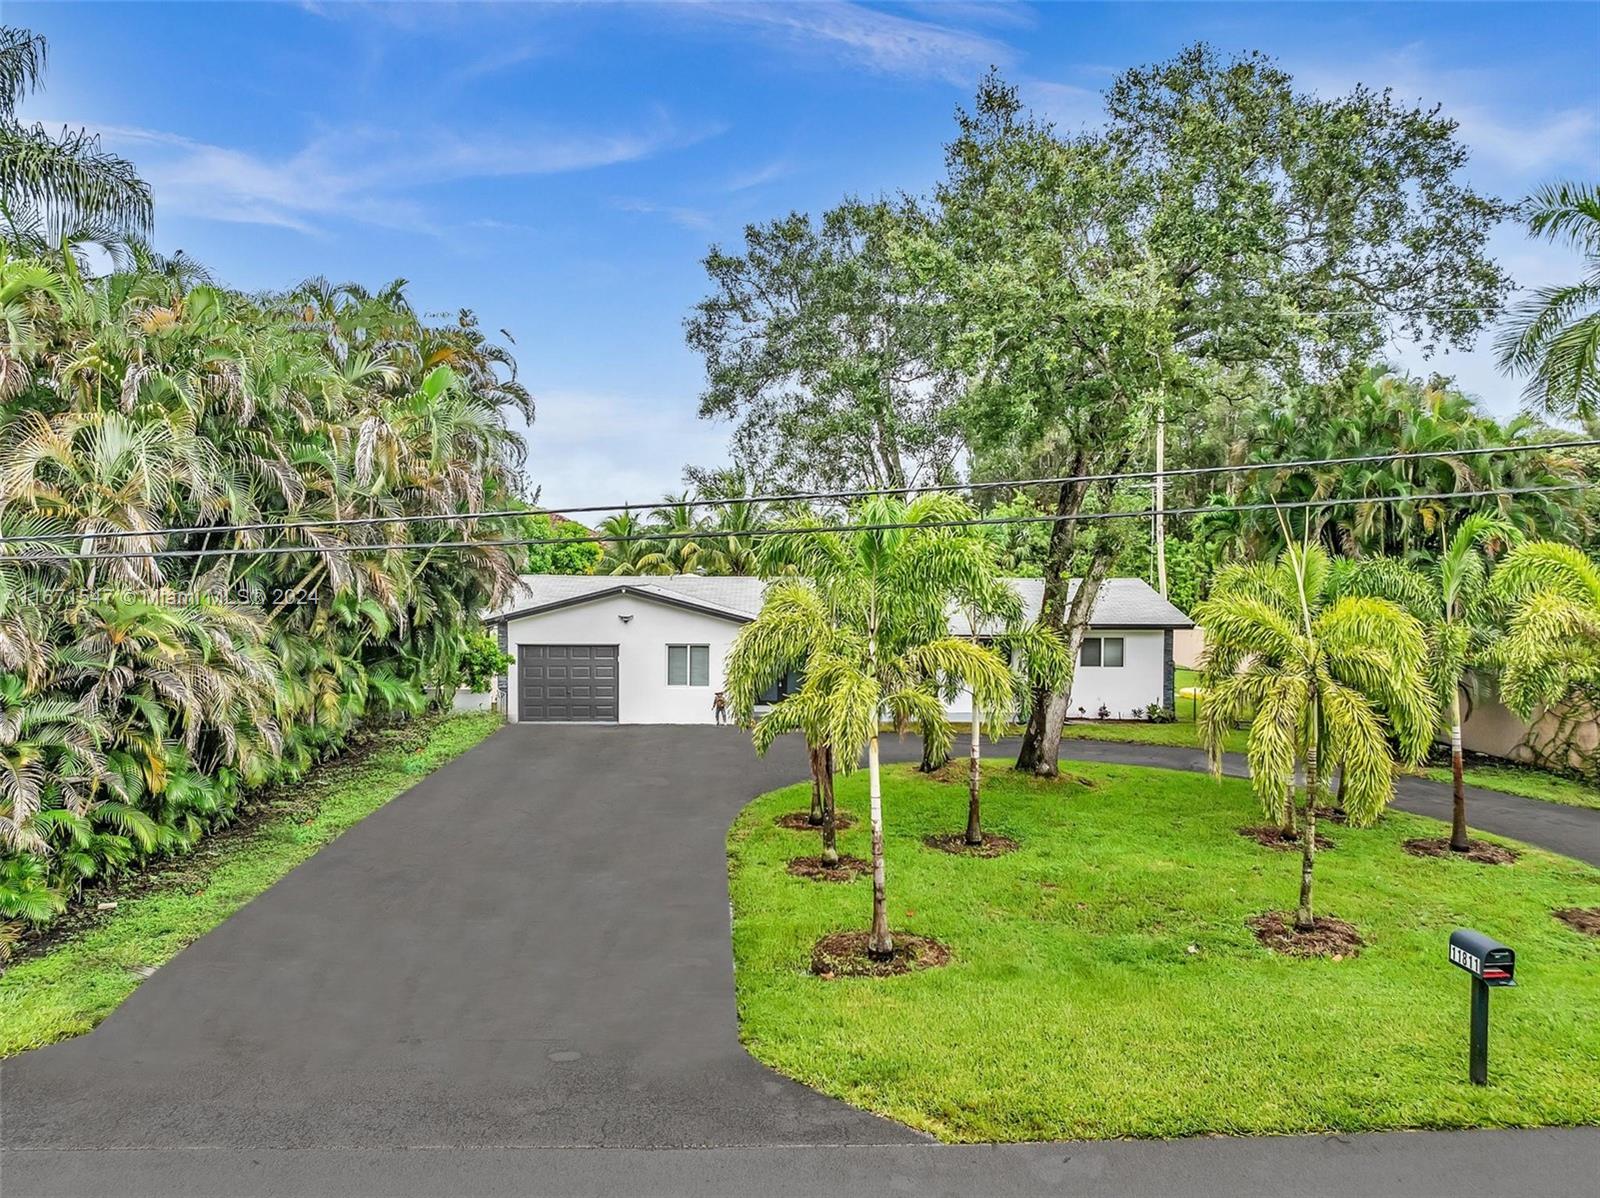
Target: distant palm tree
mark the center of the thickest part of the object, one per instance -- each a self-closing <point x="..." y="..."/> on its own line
<point x="1448" y="600"/>
<point x="1553" y="336"/>
<point x="630" y="547"/>
<point x="866" y="614"/>
<point x="678" y="522"/>
<point x="1318" y="677"/>
<point x="58" y="186"/>
<point x="1551" y="649"/>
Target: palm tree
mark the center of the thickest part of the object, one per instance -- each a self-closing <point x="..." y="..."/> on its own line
<point x="1448" y="601"/>
<point x="1553" y="336"/>
<point x="678" y="523"/>
<point x="1322" y="676"/>
<point x="866" y="612"/>
<point x="630" y="547"/>
<point x="1038" y="655"/>
<point x="1551" y="649"/>
<point x="57" y="187"/>
<point x="146" y="399"/>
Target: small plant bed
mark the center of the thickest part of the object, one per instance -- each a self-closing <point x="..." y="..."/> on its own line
<point x="846" y="869"/>
<point x="68" y="982"/>
<point x="994" y="845"/>
<point x="800" y="821"/>
<point x="1581" y="919"/>
<point x="1103" y="981"/>
<point x="844" y="955"/>
<point x="1327" y="936"/>
<point x="1479" y="851"/>
<point x="1274" y="837"/>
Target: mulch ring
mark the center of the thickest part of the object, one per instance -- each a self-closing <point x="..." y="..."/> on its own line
<point x="1328" y="937"/>
<point x="958" y="771"/>
<point x="844" y="955"/>
<point x="993" y="844"/>
<point x="1582" y="919"/>
<point x="1332" y="815"/>
<point x="848" y="869"/>
<point x="1276" y="838"/>
<point x="1480" y="851"/>
<point x="800" y="821"/>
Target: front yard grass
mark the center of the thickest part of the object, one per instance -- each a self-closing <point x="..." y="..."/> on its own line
<point x="70" y="986"/>
<point x="1104" y="983"/>
<point x="1529" y="783"/>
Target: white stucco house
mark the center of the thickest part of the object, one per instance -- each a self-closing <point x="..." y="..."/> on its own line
<point x="650" y="649"/>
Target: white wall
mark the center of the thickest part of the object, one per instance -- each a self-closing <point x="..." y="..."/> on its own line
<point x="643" y="696"/>
<point x="1126" y="689"/>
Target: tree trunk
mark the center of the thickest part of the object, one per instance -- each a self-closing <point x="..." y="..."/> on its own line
<point x="932" y="761"/>
<point x="880" y="947"/>
<point x="814" y="818"/>
<point x="1458" y="815"/>
<point x="1304" y="917"/>
<point x="974" y="783"/>
<point x="830" y="846"/>
<point x="1032" y="755"/>
<point x="1041" y="742"/>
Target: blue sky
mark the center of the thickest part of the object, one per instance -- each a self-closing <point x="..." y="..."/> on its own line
<point x="562" y="168"/>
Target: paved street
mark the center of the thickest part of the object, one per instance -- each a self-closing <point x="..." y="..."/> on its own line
<point x="516" y="979"/>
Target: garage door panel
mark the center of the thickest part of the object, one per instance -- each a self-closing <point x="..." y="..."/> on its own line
<point x="566" y="683"/>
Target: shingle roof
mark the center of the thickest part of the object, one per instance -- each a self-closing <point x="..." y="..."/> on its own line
<point x="1123" y="602"/>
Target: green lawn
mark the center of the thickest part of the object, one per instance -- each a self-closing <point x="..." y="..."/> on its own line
<point x="1104" y="983"/>
<point x="1529" y="783"/>
<point x="68" y="989"/>
<point x="1182" y="734"/>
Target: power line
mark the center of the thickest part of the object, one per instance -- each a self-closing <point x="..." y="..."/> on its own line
<point x="789" y="497"/>
<point x="754" y="534"/>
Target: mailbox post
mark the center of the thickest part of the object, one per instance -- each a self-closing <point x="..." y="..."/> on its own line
<point x="1491" y="964"/>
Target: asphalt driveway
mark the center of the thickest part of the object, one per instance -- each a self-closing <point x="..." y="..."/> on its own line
<point x="526" y="958"/>
<point x="530" y="947"/>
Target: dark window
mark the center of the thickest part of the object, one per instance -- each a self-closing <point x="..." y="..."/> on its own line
<point x="1089" y="654"/>
<point x="688" y="665"/>
<point x="781" y="689"/>
<point x="1112" y="654"/>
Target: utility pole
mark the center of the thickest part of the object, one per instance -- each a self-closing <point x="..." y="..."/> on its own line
<point x="1161" y="491"/>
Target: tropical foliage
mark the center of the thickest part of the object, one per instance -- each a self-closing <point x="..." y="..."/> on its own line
<point x="1551" y="650"/>
<point x="180" y="621"/>
<point x="59" y="189"/>
<point x="1450" y="602"/>
<point x="1324" y="680"/>
<point x="1554" y="334"/>
<point x="1386" y="412"/>
<point x="716" y="529"/>
<point x="866" y="614"/>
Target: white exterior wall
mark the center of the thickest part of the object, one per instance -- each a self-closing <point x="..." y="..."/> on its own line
<point x="1126" y="689"/>
<point x="643" y="696"/>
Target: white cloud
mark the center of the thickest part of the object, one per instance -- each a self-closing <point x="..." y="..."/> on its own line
<point x="745" y="180"/>
<point x="361" y="173"/>
<point x="1069" y="107"/>
<point x="872" y="38"/>
<point x="1519" y="143"/>
<point x="688" y="218"/>
<point x="587" y="447"/>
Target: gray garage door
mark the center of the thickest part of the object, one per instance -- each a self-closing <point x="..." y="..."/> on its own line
<point x="567" y="682"/>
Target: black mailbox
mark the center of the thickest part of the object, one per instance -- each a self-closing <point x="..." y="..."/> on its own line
<point x="1491" y="964"/>
<point x="1484" y="957"/>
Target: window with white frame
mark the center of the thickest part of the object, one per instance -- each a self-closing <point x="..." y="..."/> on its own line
<point x="1101" y="651"/>
<point x="688" y="665"/>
